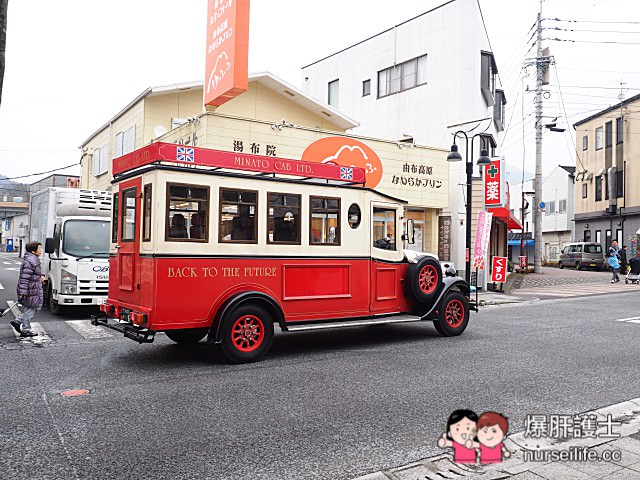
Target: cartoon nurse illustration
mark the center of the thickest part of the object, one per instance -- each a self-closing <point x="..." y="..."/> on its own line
<point x="461" y="430"/>
<point x="492" y="430"/>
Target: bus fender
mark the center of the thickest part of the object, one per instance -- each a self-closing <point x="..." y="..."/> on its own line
<point x="450" y="284"/>
<point x="239" y="299"/>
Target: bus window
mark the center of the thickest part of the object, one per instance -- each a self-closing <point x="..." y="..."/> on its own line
<point x="238" y="216"/>
<point x="325" y="221"/>
<point x="283" y="218"/>
<point x="146" y="214"/>
<point x="384" y="228"/>
<point x="187" y="213"/>
<point x="114" y="219"/>
<point x="128" y="215"/>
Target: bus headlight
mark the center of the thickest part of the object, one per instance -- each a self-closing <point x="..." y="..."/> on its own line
<point x="69" y="283"/>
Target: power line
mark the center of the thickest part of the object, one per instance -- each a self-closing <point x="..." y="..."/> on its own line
<point x="42" y="173"/>
<point x="591" y="21"/>
<point x="591" y="41"/>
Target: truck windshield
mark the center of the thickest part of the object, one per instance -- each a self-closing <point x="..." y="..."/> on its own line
<point x="86" y="238"/>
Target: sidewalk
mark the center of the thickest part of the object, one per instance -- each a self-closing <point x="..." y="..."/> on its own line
<point x="612" y="452"/>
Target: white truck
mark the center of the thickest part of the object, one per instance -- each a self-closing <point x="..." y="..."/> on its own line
<point x="73" y="225"/>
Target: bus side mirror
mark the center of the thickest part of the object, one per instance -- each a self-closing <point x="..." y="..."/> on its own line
<point x="49" y="245"/>
<point x="411" y="232"/>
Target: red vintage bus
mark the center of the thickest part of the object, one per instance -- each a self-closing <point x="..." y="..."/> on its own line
<point x="225" y="245"/>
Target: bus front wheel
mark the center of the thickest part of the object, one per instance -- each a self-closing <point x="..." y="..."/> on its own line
<point x="247" y="334"/>
<point x="453" y="315"/>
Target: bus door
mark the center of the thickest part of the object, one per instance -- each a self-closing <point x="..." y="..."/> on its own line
<point x="128" y="245"/>
<point x="387" y="268"/>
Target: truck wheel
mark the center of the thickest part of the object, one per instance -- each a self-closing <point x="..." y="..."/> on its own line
<point x="54" y="307"/>
<point x="424" y="279"/>
<point x="453" y="316"/>
<point x="560" y="265"/>
<point x="186" y="336"/>
<point x="247" y="334"/>
<point x="578" y="266"/>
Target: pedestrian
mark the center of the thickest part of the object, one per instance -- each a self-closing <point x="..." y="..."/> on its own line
<point x="614" y="248"/>
<point x="623" y="259"/>
<point x="29" y="289"/>
<point x="614" y="264"/>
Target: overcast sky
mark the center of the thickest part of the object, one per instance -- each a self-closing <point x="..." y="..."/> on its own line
<point x="72" y="64"/>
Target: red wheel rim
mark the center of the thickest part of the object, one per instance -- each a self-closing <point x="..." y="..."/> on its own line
<point x="454" y="313"/>
<point x="247" y="333"/>
<point x="428" y="279"/>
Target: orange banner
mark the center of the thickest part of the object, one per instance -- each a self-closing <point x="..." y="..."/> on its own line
<point x="227" y="54"/>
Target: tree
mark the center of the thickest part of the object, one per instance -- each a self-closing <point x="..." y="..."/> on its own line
<point x="4" y="6"/>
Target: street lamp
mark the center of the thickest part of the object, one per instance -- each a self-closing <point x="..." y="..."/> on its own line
<point x="483" y="160"/>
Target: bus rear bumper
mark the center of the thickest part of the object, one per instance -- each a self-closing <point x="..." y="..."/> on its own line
<point x="140" y="335"/>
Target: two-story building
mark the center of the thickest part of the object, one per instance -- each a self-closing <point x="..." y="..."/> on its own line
<point x="607" y="197"/>
<point x="421" y="81"/>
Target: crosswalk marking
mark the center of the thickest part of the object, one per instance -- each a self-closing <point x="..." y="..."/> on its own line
<point x="42" y="338"/>
<point x="629" y="320"/>
<point x="1" y="287"/>
<point x="566" y="291"/>
<point x="7" y="263"/>
<point x="88" y="331"/>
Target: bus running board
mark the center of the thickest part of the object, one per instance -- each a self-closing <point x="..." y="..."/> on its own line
<point x="356" y="323"/>
<point x="140" y="336"/>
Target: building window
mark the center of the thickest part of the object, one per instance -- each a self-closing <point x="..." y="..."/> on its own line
<point x="238" y="216"/>
<point x="187" y="212"/>
<point x="585" y="142"/>
<point x="100" y="161"/>
<point x="619" y="183"/>
<point x="334" y="88"/>
<point x="608" y="134"/>
<point x="587" y="235"/>
<point x="562" y="206"/>
<point x="551" y="208"/>
<point x="619" y="237"/>
<point x="366" y="87"/>
<point x="585" y="190"/>
<point x="599" y="138"/>
<point x="283" y="218"/>
<point x="403" y="76"/>
<point x="608" y="239"/>
<point x="598" y="188"/>
<point x="619" y="130"/>
<point x="125" y="142"/>
<point x="488" y="71"/>
<point x="598" y="236"/>
<point x="606" y="186"/>
<point x="325" y="221"/>
<point x="498" y="110"/>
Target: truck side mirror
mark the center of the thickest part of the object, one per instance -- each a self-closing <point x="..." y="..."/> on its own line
<point x="411" y="232"/>
<point x="49" y="245"/>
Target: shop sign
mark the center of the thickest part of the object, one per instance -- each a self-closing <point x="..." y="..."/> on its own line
<point x="499" y="269"/>
<point x="494" y="187"/>
<point x="444" y="238"/>
<point x="481" y="245"/>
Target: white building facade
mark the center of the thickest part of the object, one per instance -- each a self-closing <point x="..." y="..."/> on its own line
<point x="418" y="83"/>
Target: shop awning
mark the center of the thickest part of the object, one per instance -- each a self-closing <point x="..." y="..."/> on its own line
<point x="506" y="216"/>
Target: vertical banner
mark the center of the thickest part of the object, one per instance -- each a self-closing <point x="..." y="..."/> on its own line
<point x="227" y="54"/>
<point x="494" y="184"/>
<point x="499" y="269"/>
<point x="481" y="245"/>
<point x="444" y="238"/>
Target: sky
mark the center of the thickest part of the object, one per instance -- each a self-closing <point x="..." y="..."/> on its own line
<point x="71" y="65"/>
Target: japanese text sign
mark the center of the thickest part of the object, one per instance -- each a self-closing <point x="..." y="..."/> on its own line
<point x="227" y="53"/>
<point x="499" y="269"/>
<point x="494" y="188"/>
<point x="481" y="245"/>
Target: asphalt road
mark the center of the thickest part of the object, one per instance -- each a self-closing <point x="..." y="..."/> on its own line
<point x="330" y="405"/>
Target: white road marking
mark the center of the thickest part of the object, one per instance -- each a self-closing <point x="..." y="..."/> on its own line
<point x="630" y="319"/>
<point x="42" y="338"/>
<point x="88" y="331"/>
<point x="1" y="287"/>
<point x="7" y="263"/>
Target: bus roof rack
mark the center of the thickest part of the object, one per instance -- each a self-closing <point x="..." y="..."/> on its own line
<point x="205" y="158"/>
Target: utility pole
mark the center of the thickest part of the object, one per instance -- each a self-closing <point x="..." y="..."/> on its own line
<point x="541" y="63"/>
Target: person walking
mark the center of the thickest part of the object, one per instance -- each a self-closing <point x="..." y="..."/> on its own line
<point x="614" y="264"/>
<point x="623" y="259"/>
<point x="29" y="290"/>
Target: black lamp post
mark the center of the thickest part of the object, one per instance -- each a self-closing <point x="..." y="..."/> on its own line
<point x="484" y="159"/>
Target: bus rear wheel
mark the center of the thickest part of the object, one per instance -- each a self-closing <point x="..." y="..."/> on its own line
<point x="247" y="334"/>
<point x="453" y="315"/>
<point x="187" y="336"/>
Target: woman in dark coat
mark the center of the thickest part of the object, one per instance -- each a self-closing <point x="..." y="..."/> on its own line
<point x="29" y="289"/>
